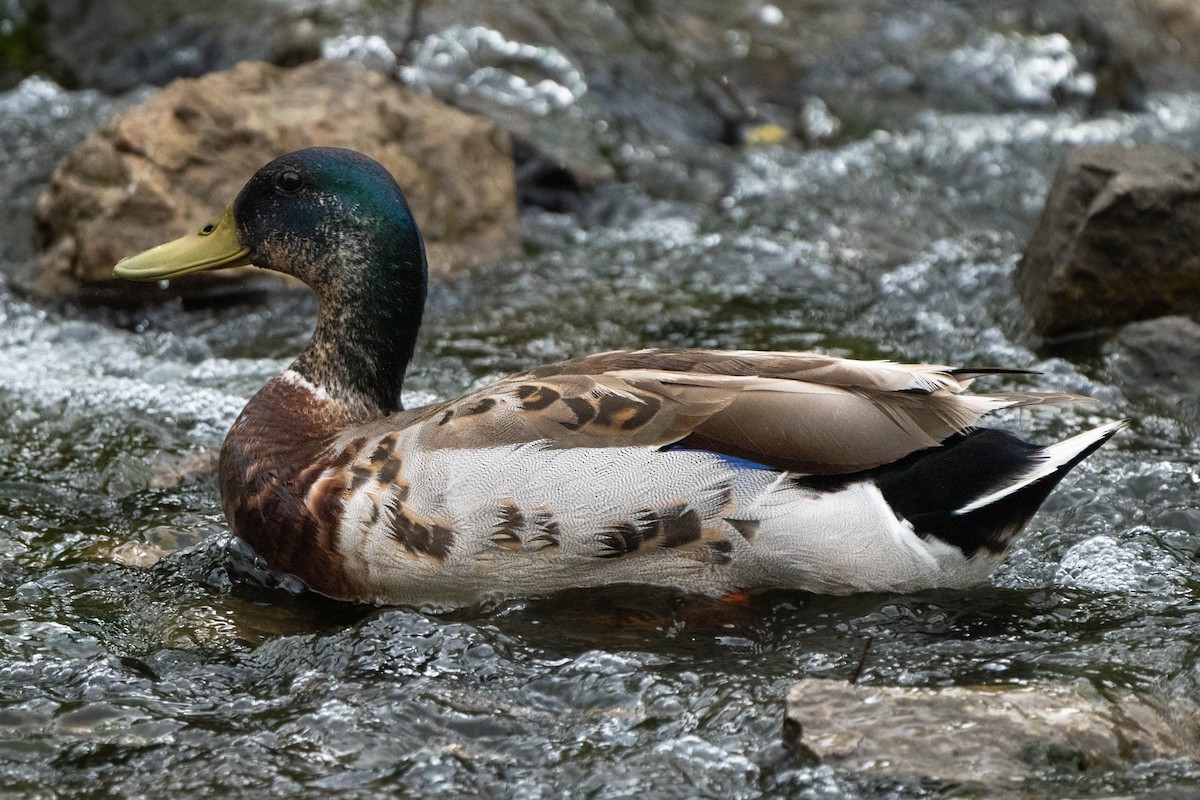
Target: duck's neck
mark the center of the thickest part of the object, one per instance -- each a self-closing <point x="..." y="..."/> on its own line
<point x="363" y="341"/>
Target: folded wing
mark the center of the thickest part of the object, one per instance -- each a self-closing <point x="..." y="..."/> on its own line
<point x="806" y="412"/>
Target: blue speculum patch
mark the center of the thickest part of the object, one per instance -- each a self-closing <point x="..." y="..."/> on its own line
<point x="733" y="461"/>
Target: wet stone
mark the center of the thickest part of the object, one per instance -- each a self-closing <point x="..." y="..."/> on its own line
<point x="980" y="735"/>
<point x="1118" y="240"/>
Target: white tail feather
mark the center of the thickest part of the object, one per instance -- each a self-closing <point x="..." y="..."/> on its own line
<point x="1049" y="460"/>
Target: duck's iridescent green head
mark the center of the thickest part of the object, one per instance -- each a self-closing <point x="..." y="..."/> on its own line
<point x="336" y="220"/>
<point x="321" y="213"/>
<point x="301" y="214"/>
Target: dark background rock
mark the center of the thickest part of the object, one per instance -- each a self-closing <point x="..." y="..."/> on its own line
<point x="1119" y="240"/>
<point x="170" y="164"/>
<point x="115" y="46"/>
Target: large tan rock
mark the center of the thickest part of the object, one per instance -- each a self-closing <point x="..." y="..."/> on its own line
<point x="997" y="737"/>
<point x="168" y="165"/>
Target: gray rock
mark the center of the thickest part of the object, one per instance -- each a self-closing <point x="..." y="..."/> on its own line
<point x="170" y="164"/>
<point x="980" y="735"/>
<point x="1119" y="240"/>
<point x="1155" y="360"/>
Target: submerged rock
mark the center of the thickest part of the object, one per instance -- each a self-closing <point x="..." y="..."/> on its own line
<point x="1155" y="360"/>
<point x="978" y="734"/>
<point x="1119" y="240"/>
<point x="170" y="164"/>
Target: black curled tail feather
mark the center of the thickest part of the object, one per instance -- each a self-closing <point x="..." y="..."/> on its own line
<point x="980" y="488"/>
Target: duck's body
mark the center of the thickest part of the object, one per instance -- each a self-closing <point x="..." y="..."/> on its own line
<point x="708" y="471"/>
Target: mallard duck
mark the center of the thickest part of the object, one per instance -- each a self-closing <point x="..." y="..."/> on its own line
<point x="709" y="471"/>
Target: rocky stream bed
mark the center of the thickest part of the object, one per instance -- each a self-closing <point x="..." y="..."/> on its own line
<point x="860" y="178"/>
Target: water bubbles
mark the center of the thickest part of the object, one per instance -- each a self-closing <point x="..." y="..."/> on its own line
<point x="1012" y="70"/>
<point x="770" y="15"/>
<point x="605" y="663"/>
<point x="817" y="122"/>
<point x="693" y="754"/>
<point x="37" y="96"/>
<point x="1105" y="564"/>
<point x="371" y="51"/>
<point x="479" y="63"/>
<point x="39" y="105"/>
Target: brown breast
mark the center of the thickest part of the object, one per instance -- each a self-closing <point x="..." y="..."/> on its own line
<point x="270" y="463"/>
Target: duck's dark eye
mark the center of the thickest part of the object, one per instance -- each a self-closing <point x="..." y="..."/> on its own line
<point x="289" y="181"/>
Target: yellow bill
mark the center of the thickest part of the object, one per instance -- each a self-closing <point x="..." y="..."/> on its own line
<point x="214" y="246"/>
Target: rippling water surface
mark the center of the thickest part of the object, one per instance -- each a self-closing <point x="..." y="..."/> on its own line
<point x="135" y="660"/>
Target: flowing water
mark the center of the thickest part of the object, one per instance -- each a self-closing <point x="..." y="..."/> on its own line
<point x="139" y="658"/>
